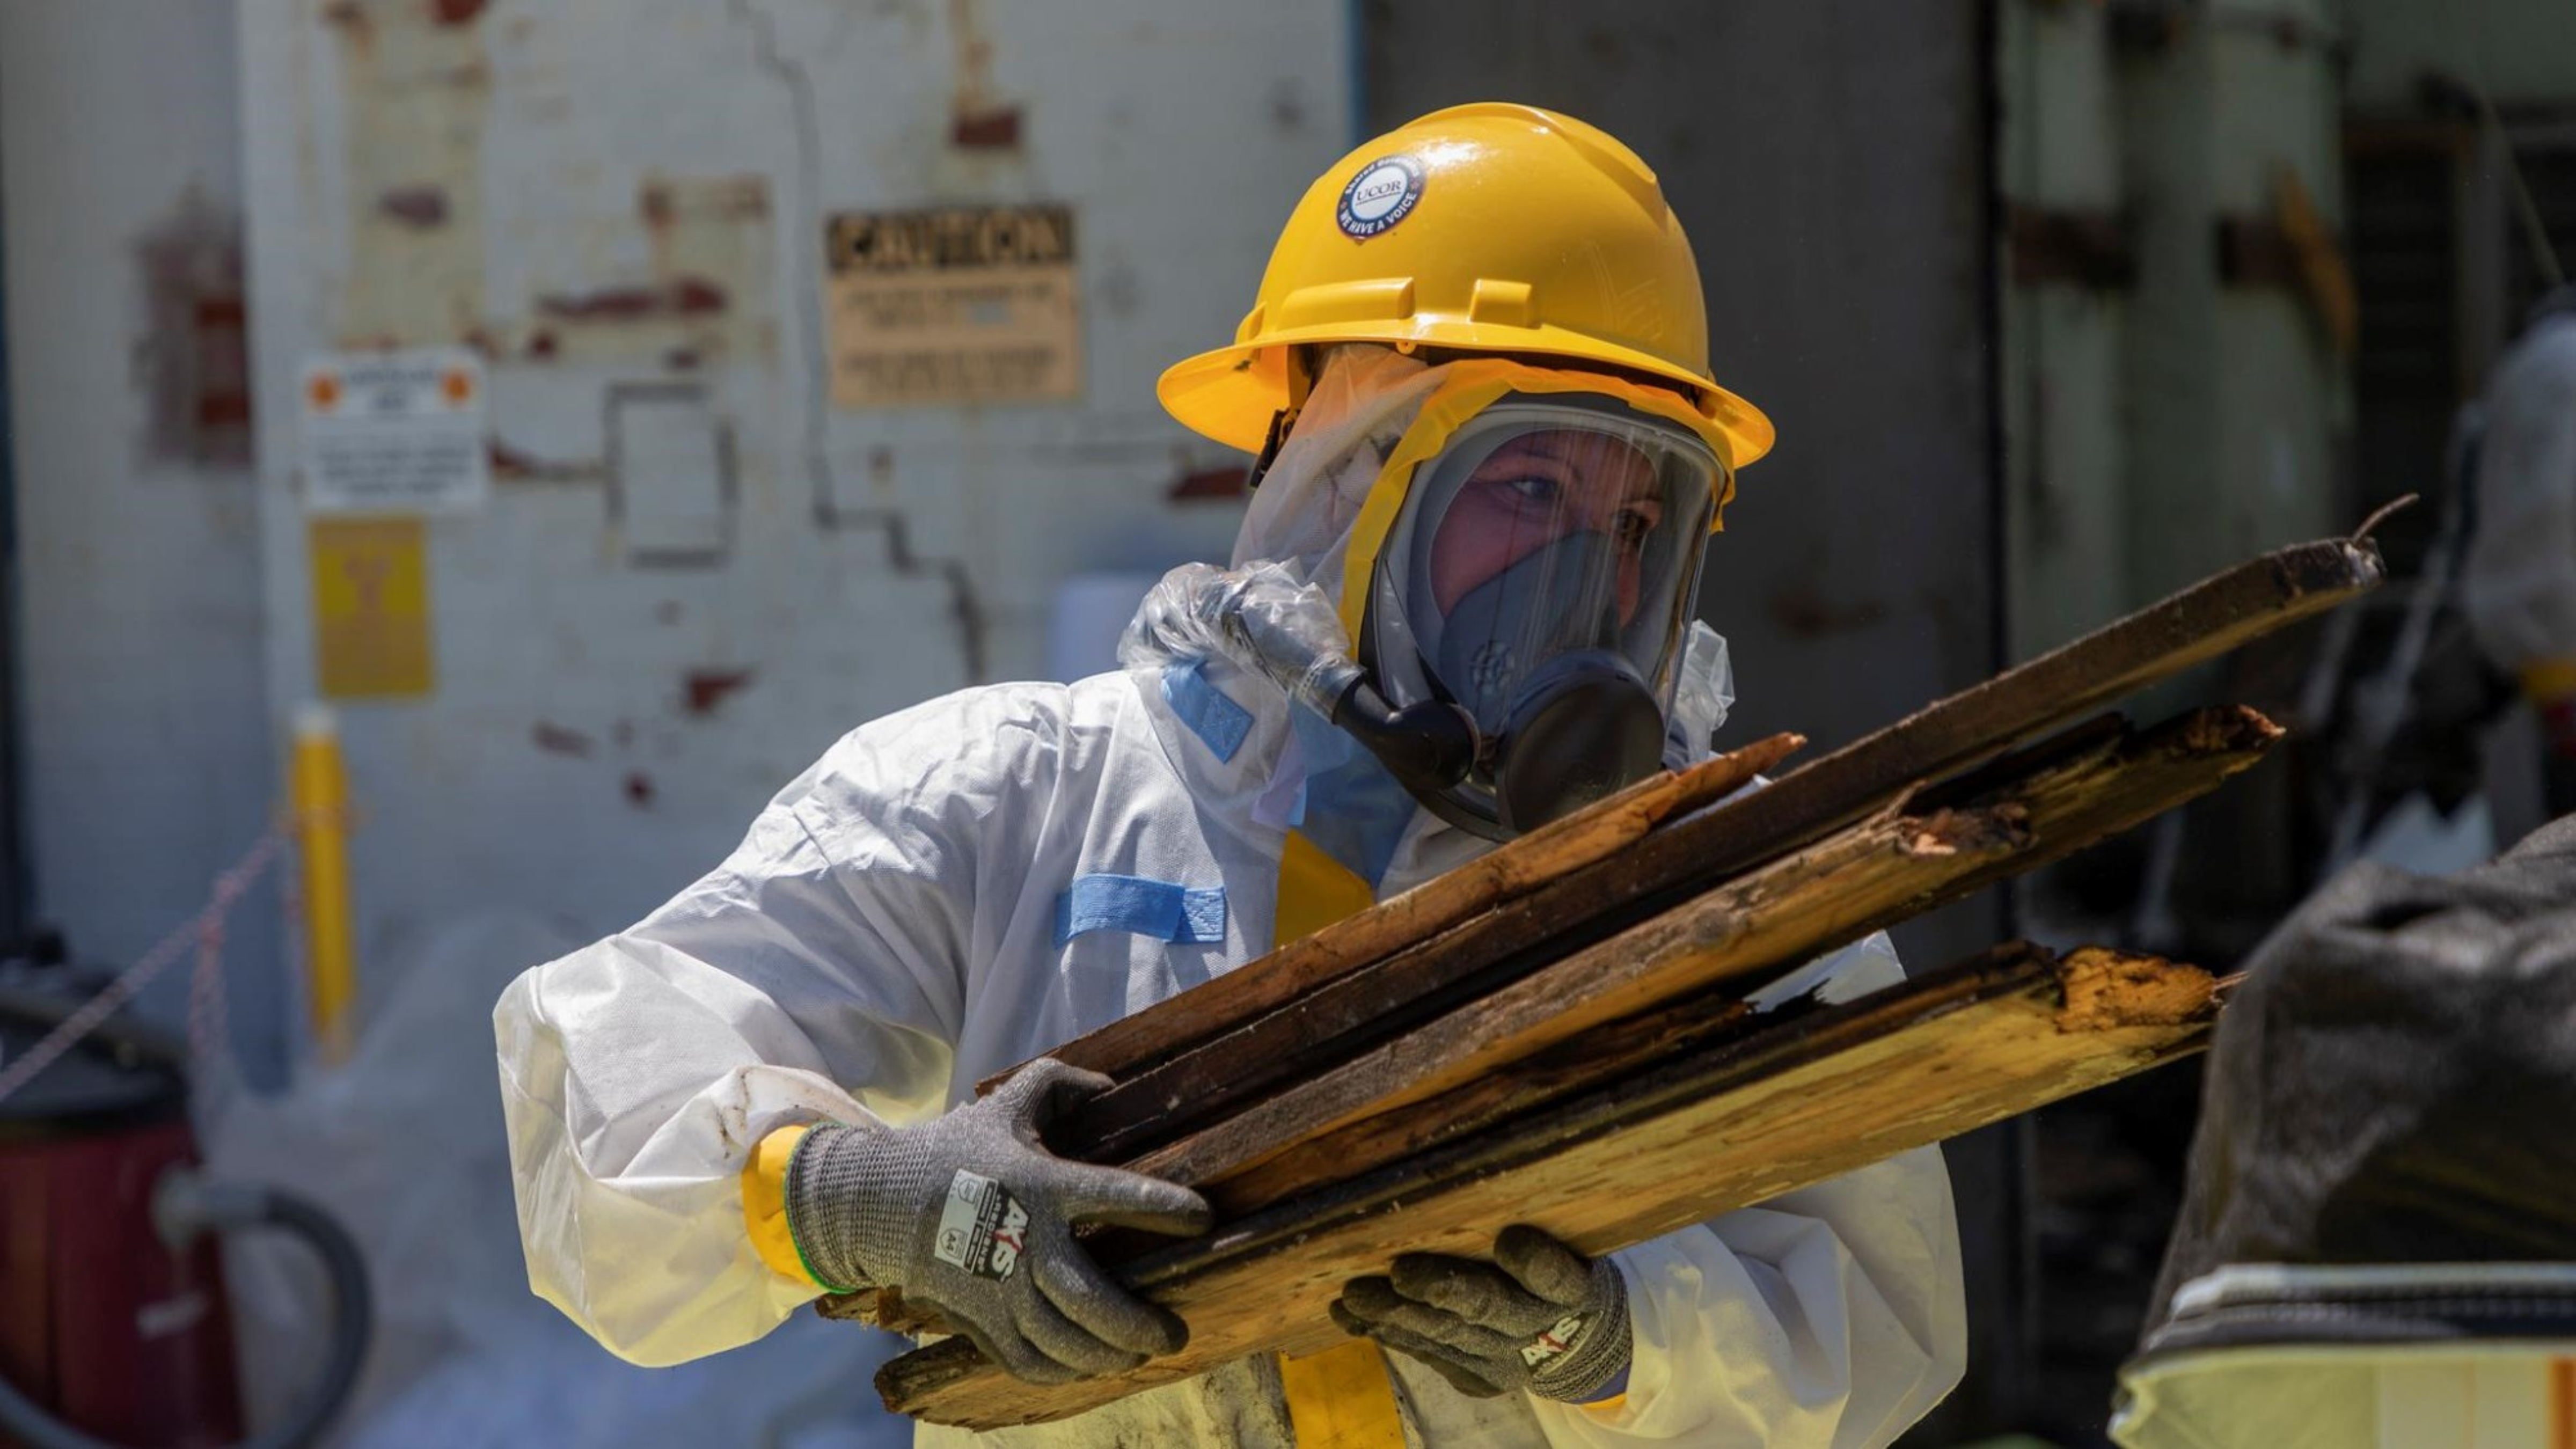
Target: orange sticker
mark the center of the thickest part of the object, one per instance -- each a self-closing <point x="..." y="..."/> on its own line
<point x="371" y="632"/>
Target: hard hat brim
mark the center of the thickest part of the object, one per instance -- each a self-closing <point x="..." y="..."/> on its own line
<point x="1230" y="394"/>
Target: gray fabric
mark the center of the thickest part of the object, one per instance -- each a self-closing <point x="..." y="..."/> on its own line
<point x="969" y="1215"/>
<point x="1539" y="1317"/>
<point x="2392" y="1085"/>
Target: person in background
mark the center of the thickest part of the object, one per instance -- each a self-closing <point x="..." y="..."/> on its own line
<point x="1491" y="455"/>
<point x="2519" y="579"/>
<point x="2376" y="1247"/>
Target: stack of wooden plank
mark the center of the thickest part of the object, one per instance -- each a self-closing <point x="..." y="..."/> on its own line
<point x="1558" y="1034"/>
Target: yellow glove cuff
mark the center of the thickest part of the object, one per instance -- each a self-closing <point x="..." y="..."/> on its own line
<point x="2546" y="679"/>
<point x="764" y="1204"/>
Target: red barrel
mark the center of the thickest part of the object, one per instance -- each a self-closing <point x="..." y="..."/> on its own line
<point x="99" y="1321"/>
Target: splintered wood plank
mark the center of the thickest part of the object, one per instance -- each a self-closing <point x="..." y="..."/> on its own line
<point x="1295" y="1012"/>
<point x="1514" y="869"/>
<point x="1815" y="1096"/>
<point x="1543" y="855"/>
<point x="1678" y="980"/>
<point x="2014" y="817"/>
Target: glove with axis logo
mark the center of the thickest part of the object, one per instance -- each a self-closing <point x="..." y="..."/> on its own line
<point x="970" y="1215"/>
<point x="1539" y="1317"/>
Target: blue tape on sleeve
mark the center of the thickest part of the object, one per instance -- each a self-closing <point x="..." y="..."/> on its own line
<point x="1219" y="722"/>
<point x="1155" y="908"/>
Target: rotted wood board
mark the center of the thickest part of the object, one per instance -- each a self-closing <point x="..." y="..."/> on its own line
<point x="1617" y="1007"/>
<point x="2013" y="817"/>
<point x="1820" y="1093"/>
<point x="1287" y="1016"/>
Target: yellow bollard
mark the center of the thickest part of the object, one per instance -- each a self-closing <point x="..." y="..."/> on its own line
<point x="321" y="799"/>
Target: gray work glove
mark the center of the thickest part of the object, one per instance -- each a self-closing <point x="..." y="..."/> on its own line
<point x="969" y="1215"/>
<point x="1539" y="1317"/>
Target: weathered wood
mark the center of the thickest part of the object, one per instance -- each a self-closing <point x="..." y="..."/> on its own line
<point x="1286" y="1002"/>
<point x="1818" y="1094"/>
<point x="1815" y="899"/>
<point x="1678" y="981"/>
<point x="1248" y="1032"/>
<point x="1590" y="1059"/>
<point x="1513" y="869"/>
<point x="884" y="1308"/>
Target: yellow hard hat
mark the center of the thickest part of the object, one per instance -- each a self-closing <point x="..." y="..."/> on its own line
<point x="1488" y="228"/>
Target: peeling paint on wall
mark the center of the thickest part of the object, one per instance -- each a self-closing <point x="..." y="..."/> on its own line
<point x="995" y="128"/>
<point x="705" y="298"/>
<point x="1227" y="482"/>
<point x="349" y="19"/>
<point x="555" y="739"/>
<point x="192" y="356"/>
<point x="683" y="297"/>
<point x="703" y="689"/>
<point x="515" y="465"/>
<point x="978" y="119"/>
<point x="418" y="206"/>
<point x="415" y="92"/>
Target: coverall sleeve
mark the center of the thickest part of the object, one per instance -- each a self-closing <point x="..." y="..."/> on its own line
<point x="1830" y="1318"/>
<point x="2519" y="585"/>
<point x="799" y="981"/>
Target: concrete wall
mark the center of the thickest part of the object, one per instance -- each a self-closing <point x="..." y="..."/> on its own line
<point x="2065" y="457"/>
<point x="2164" y="426"/>
<point x="611" y="201"/>
<point x="2233" y="393"/>
<point x="2522" y="52"/>
<point x="146" y="752"/>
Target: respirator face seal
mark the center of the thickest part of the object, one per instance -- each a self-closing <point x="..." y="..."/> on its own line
<point x="1539" y="576"/>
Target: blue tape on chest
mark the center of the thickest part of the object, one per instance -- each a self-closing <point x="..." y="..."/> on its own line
<point x="1352" y="807"/>
<point x="1154" y="908"/>
<point x="1219" y="722"/>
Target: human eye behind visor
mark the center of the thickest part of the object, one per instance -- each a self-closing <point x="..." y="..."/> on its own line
<point x="1552" y="540"/>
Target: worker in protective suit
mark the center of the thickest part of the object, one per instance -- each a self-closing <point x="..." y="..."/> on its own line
<point x="2519" y="579"/>
<point x="1490" y="455"/>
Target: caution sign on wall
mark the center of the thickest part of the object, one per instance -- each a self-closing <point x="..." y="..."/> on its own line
<point x="967" y="304"/>
<point x="394" y="432"/>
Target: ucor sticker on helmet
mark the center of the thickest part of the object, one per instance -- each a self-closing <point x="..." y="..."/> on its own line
<point x="1382" y="194"/>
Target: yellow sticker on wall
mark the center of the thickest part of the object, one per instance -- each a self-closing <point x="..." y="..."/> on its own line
<point x="371" y="607"/>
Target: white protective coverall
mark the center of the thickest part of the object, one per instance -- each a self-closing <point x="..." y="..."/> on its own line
<point x="2519" y="585"/>
<point x="905" y="919"/>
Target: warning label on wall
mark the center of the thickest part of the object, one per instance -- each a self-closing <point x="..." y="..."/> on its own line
<point x="395" y="432"/>
<point x="972" y="304"/>
<point x="371" y="635"/>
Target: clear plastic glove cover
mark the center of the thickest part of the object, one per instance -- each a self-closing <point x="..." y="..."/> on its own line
<point x="1262" y="616"/>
